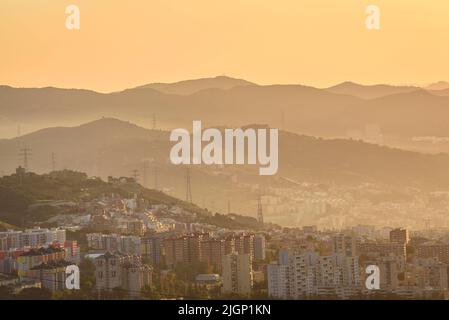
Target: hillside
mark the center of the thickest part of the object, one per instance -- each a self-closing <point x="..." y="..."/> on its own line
<point x="112" y="147"/>
<point x="19" y="194"/>
<point x="440" y="85"/>
<point x="400" y="113"/>
<point x="6" y="226"/>
<point x="369" y="91"/>
<point x="187" y="87"/>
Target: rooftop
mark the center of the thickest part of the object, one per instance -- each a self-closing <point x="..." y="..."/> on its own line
<point x="43" y="251"/>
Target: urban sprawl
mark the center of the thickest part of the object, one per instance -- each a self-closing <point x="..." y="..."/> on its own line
<point x="126" y="248"/>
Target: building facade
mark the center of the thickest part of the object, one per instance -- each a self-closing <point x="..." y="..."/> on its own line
<point x="237" y="274"/>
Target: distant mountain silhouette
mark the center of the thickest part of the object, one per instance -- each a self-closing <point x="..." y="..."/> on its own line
<point x="440" y="85"/>
<point x="191" y="86"/>
<point x="400" y="113"/>
<point x="443" y="92"/>
<point x="369" y="91"/>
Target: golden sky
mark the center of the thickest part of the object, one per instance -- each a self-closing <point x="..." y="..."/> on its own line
<point x="127" y="43"/>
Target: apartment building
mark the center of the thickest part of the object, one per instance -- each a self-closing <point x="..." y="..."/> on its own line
<point x="259" y="247"/>
<point x="212" y="252"/>
<point x="183" y="249"/>
<point x="279" y="280"/>
<point x="237" y="274"/>
<point x="151" y="249"/>
<point x="52" y="274"/>
<point x="307" y="274"/>
<point x="115" y="270"/>
<point x="114" y="243"/>
<point x="399" y="235"/>
<point x="72" y="251"/>
<point x="382" y="248"/>
<point x="433" y="250"/>
<point x="108" y="270"/>
<point x="35" y="257"/>
<point x="430" y="273"/>
<point x="33" y="238"/>
<point x="244" y="244"/>
<point x="136" y="277"/>
<point x="345" y="244"/>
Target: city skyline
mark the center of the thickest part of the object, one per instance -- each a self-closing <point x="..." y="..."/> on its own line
<point x="203" y="150"/>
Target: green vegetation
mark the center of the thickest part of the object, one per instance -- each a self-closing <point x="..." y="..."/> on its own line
<point x="18" y="193"/>
<point x="169" y="286"/>
<point x="26" y="198"/>
<point x="232" y="221"/>
<point x="188" y="271"/>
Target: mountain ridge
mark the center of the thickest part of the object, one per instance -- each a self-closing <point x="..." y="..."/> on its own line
<point x="296" y="108"/>
<point x="187" y="87"/>
<point x="369" y="91"/>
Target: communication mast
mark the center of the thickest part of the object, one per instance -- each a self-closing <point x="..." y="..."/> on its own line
<point x="154" y="121"/>
<point x="135" y="175"/>
<point x="53" y="161"/>
<point x="259" y="209"/>
<point x="188" y="186"/>
<point x="24" y="155"/>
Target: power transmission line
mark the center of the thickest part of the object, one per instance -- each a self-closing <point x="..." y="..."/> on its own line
<point x="135" y="174"/>
<point x="53" y="161"/>
<point x="427" y="223"/>
<point x="25" y="154"/>
<point x="259" y="209"/>
<point x="188" y="186"/>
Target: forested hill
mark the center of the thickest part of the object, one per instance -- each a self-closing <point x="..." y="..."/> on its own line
<point x="20" y="191"/>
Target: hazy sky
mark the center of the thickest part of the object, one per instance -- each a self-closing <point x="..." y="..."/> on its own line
<point x="132" y="42"/>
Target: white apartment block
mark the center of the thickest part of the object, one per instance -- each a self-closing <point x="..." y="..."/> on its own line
<point x="122" y="271"/>
<point x="345" y="244"/>
<point x="108" y="271"/>
<point x="114" y="243"/>
<point x="308" y="274"/>
<point x="33" y="238"/>
<point x="136" y="277"/>
<point x="237" y="274"/>
<point x="278" y="280"/>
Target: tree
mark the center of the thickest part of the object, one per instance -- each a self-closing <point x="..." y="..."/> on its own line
<point x="188" y="271"/>
<point x="151" y="292"/>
